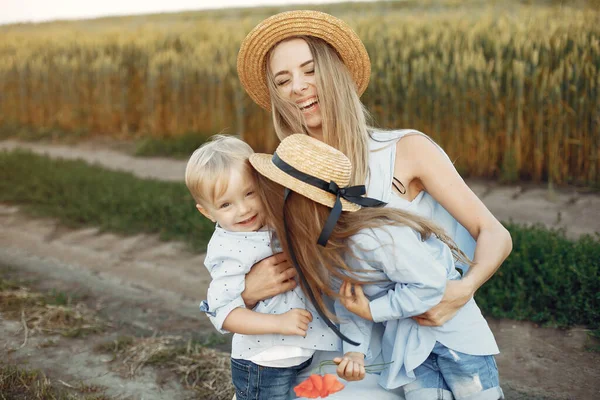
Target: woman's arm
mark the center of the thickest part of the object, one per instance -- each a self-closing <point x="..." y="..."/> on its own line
<point x="267" y="278"/>
<point x="420" y="159"/>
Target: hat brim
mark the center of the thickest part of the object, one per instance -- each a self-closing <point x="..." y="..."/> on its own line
<point x="263" y="163"/>
<point x="251" y="62"/>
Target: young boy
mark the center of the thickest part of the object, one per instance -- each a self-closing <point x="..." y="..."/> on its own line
<point x="277" y="339"/>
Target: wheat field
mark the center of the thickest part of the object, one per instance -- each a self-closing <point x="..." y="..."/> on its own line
<point x="510" y="90"/>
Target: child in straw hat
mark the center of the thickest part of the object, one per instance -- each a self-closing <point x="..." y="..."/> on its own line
<point x="277" y="339"/>
<point x="402" y="262"/>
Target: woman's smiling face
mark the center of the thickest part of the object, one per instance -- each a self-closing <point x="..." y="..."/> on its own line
<point x="293" y="69"/>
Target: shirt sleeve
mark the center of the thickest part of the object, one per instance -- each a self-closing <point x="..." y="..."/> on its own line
<point x="354" y="328"/>
<point x="420" y="278"/>
<point x="225" y="290"/>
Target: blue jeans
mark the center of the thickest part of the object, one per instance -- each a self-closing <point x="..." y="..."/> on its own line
<point x="255" y="382"/>
<point x="449" y="374"/>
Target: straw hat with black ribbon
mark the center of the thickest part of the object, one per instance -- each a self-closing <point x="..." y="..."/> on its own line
<point x="313" y="169"/>
<point x="252" y="62"/>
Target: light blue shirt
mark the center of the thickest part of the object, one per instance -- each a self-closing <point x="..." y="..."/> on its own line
<point x="414" y="274"/>
<point x="229" y="257"/>
<point x="411" y="275"/>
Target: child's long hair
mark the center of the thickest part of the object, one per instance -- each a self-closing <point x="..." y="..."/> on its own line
<point x="305" y="220"/>
<point x="344" y="116"/>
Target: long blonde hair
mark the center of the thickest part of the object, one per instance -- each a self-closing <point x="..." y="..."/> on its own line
<point x="305" y="220"/>
<point x="344" y="116"/>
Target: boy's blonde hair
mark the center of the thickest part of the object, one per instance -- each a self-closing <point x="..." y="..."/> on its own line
<point x="211" y="163"/>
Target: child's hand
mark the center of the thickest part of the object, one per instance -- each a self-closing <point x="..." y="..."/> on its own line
<point x="356" y="302"/>
<point x="295" y="322"/>
<point x="351" y="367"/>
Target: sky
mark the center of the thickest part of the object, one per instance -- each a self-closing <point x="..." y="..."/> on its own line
<point x="12" y="11"/>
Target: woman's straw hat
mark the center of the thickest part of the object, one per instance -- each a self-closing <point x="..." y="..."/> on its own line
<point x="311" y="157"/>
<point x="252" y="63"/>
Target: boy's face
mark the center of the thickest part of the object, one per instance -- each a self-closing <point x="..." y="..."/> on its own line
<point x="239" y="208"/>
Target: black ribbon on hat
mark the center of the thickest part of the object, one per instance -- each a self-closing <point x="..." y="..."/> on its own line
<point x="352" y="194"/>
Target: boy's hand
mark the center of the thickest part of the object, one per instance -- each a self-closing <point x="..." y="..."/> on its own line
<point x="294" y="322"/>
<point x="351" y="367"/>
<point x="356" y="302"/>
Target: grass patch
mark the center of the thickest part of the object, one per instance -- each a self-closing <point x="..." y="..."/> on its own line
<point x="43" y="313"/>
<point x="115" y="346"/>
<point x="593" y="344"/>
<point x="59" y="298"/>
<point x="8" y="285"/>
<point x="204" y="370"/>
<point x="19" y="383"/>
<point x="181" y="146"/>
<point x="547" y="279"/>
<point x="79" y="194"/>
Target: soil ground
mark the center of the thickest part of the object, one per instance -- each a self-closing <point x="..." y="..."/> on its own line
<point x="145" y="287"/>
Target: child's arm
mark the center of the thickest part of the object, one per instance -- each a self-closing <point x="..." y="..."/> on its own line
<point x="354" y="327"/>
<point x="420" y="279"/>
<point x="352" y="366"/>
<point x="225" y="307"/>
<point x="248" y="322"/>
<point x="224" y="292"/>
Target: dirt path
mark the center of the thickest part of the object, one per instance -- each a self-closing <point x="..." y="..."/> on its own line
<point x="154" y="288"/>
<point x="142" y="286"/>
<point x="568" y="208"/>
<point x="150" y="287"/>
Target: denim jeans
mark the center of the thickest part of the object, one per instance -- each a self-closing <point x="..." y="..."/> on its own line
<point x="255" y="382"/>
<point x="449" y="374"/>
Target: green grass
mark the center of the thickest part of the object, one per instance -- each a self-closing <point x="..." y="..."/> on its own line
<point x="176" y="147"/>
<point x="547" y="279"/>
<point x="79" y="194"/>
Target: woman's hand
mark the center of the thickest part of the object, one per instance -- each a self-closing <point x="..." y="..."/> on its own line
<point x="456" y="295"/>
<point x="268" y="278"/>
<point x="356" y="302"/>
<point x="351" y="367"/>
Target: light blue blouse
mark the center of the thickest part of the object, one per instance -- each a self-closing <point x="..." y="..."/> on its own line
<point x="411" y="277"/>
<point x="415" y="274"/>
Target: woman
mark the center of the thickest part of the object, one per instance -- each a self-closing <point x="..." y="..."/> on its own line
<point x="309" y="69"/>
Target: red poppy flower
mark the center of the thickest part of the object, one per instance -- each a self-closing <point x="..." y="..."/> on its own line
<point x="316" y="386"/>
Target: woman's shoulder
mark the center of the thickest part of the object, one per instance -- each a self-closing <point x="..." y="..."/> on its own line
<point x="386" y="136"/>
<point x="418" y="143"/>
<point x="409" y="146"/>
<point x="413" y="140"/>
